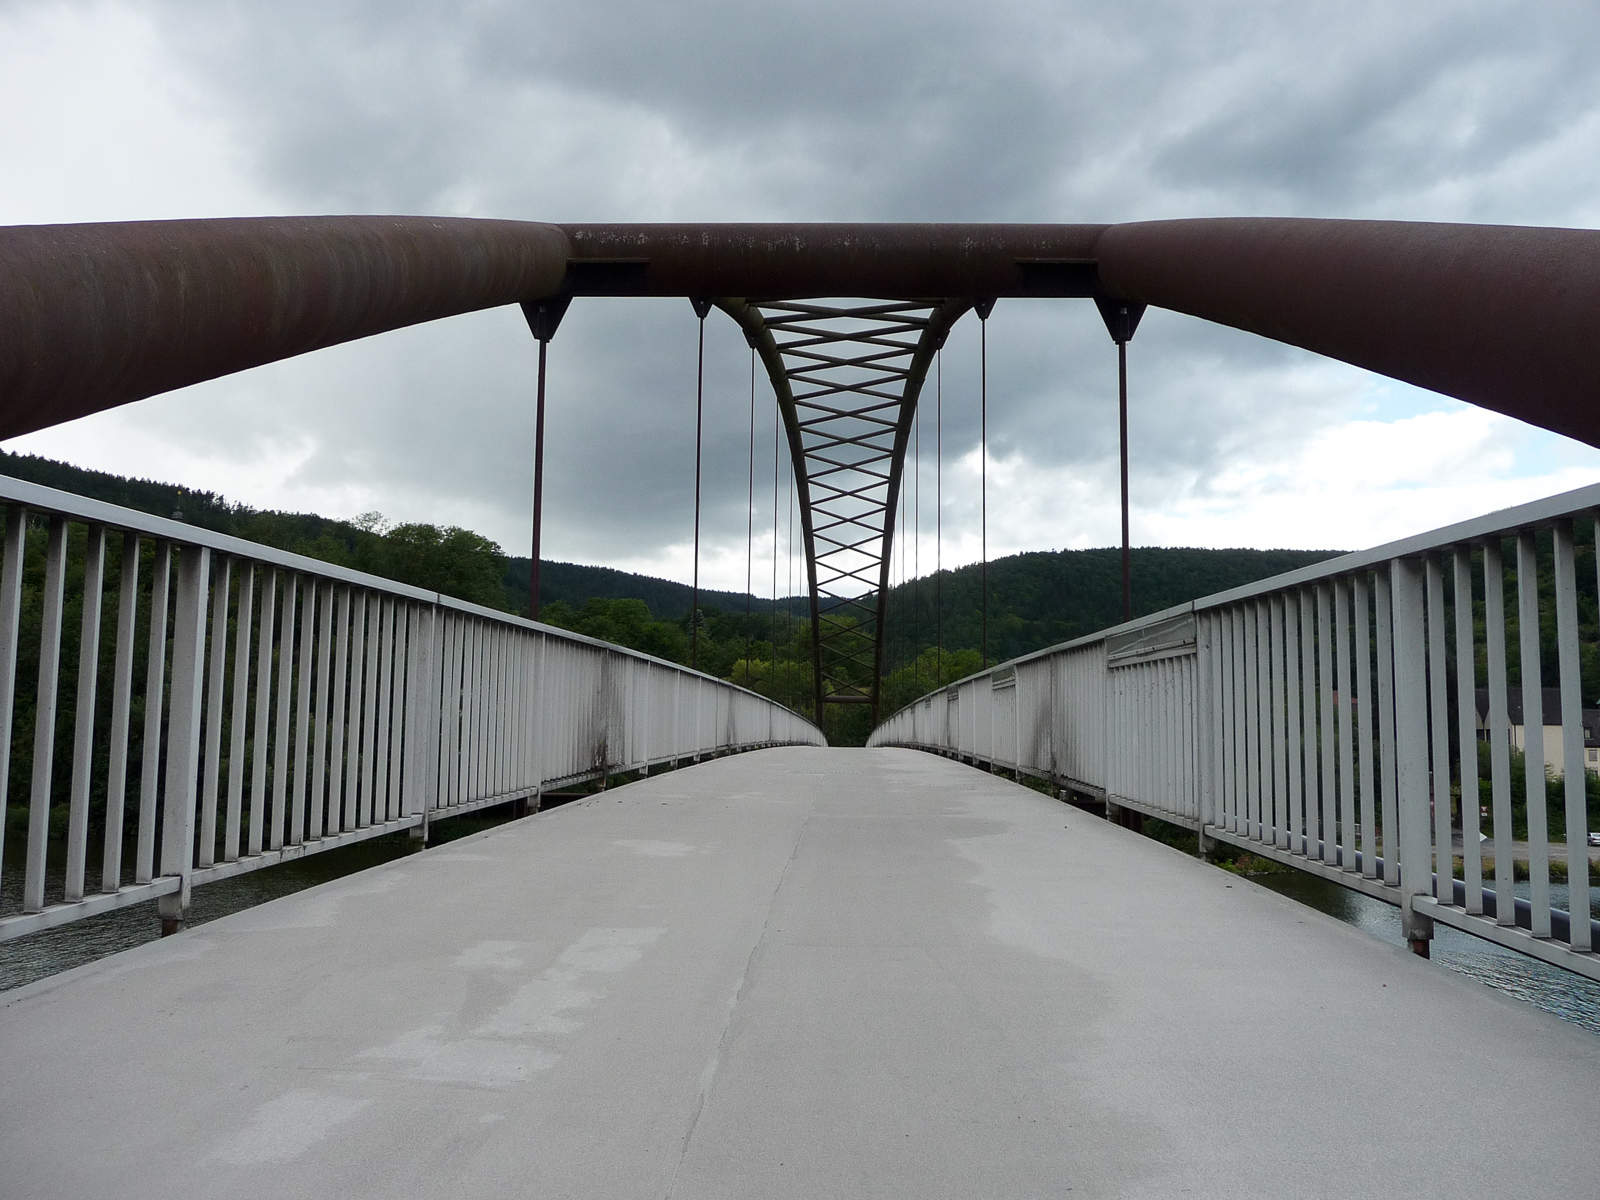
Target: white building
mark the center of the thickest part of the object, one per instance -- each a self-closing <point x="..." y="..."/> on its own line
<point x="1554" y="743"/>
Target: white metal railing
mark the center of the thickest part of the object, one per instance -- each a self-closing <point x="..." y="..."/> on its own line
<point x="1225" y="715"/>
<point x="263" y="706"/>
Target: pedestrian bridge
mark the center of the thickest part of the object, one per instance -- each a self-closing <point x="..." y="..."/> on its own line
<point x="766" y="966"/>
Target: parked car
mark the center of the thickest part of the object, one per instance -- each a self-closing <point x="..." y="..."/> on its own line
<point x="1594" y="839"/>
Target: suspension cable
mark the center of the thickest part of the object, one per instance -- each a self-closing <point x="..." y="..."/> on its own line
<point x="750" y="525"/>
<point x="1122" y="430"/>
<point x="905" y="490"/>
<point x="983" y="449"/>
<point x="938" y="521"/>
<point x="699" y="421"/>
<point x="916" y="550"/>
<point x="789" y="551"/>
<point x="777" y="426"/>
<point x="538" y="487"/>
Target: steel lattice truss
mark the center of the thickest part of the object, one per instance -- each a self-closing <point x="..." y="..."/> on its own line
<point x="847" y="375"/>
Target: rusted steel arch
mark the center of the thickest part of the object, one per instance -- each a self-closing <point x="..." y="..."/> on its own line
<point x="859" y="376"/>
<point x="93" y="316"/>
<point x="98" y="315"/>
<point x="1506" y="317"/>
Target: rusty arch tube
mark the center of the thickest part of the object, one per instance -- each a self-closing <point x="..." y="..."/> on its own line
<point x="94" y="316"/>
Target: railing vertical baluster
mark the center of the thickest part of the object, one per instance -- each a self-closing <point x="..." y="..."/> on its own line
<point x="1310" y="825"/>
<point x="537" y="713"/>
<point x="1267" y="648"/>
<point x="1386" y="727"/>
<point x="280" y="736"/>
<point x="302" y="719"/>
<point x="467" y="744"/>
<point x="380" y="746"/>
<point x="425" y="690"/>
<point x="1294" y="810"/>
<point x="1533" y="753"/>
<point x="1439" y="727"/>
<point x="10" y="624"/>
<point x="450" y="768"/>
<point x="183" y="731"/>
<point x="1411" y="742"/>
<point x="221" y="585"/>
<point x="397" y="711"/>
<point x="1226" y="784"/>
<point x="441" y="766"/>
<point x="1280" y="731"/>
<point x="94" y="576"/>
<point x="369" y="711"/>
<point x="244" y="615"/>
<point x="1363" y="698"/>
<point x="512" y="752"/>
<point x="495" y="713"/>
<point x="265" y="636"/>
<point x="1252" y="721"/>
<point x="1574" y="783"/>
<point x="354" y="793"/>
<point x="338" y="701"/>
<point x="1240" y="818"/>
<point x="1467" y="730"/>
<point x="121" y="709"/>
<point x="527" y="731"/>
<point x="508" y="700"/>
<point x="469" y="712"/>
<point x="1347" y="771"/>
<point x="155" y="691"/>
<point x="1162" y="698"/>
<point x="320" y="815"/>
<point x="44" y="716"/>
<point x="1494" y="613"/>
<point x="1160" y="692"/>
<point x="1329" y="707"/>
<point x="1265" y="738"/>
<point x="481" y="781"/>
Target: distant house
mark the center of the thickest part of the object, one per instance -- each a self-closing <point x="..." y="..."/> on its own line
<point x="1554" y="754"/>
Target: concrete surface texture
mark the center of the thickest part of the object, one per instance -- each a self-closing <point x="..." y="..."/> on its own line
<point x="797" y="973"/>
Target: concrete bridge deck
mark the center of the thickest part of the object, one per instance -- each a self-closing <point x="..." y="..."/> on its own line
<point x="794" y="973"/>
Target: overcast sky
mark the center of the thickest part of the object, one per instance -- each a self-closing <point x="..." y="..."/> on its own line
<point x="1022" y="111"/>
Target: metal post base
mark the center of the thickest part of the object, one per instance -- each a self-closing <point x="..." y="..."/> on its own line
<point x="1418" y="931"/>
<point x="174" y="914"/>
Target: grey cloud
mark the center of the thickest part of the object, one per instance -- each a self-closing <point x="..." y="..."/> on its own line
<point x="833" y="110"/>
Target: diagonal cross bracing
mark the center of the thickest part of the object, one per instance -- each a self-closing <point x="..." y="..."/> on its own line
<point x="847" y="374"/>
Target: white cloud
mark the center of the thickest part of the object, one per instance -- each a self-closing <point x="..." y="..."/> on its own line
<point x="99" y="121"/>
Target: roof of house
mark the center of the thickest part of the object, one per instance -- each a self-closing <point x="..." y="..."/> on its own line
<point x="1551" y="698"/>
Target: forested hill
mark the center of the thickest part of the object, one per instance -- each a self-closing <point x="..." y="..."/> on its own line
<point x="468" y="566"/>
<point x="575" y="584"/>
<point x="1039" y="599"/>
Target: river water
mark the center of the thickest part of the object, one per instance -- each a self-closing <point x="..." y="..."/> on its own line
<point x="27" y="959"/>
<point x="1568" y="996"/>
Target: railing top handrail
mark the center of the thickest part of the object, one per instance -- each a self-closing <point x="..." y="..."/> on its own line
<point x="114" y="516"/>
<point x="1501" y="521"/>
<point x="1504" y="521"/>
